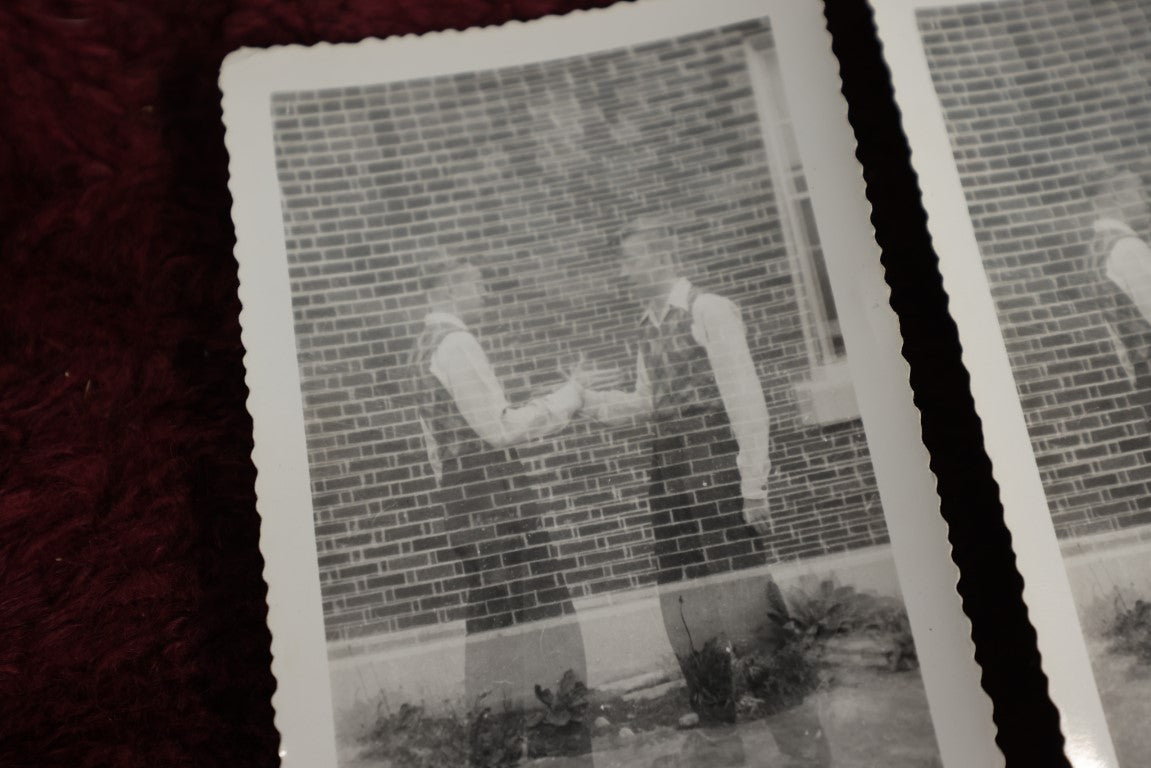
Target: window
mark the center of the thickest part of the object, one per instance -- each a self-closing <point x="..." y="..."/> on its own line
<point x="827" y="396"/>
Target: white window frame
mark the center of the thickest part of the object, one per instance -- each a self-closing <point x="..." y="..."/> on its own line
<point x="828" y="396"/>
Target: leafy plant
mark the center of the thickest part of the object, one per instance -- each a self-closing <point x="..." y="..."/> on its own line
<point x="777" y="680"/>
<point x="495" y="740"/>
<point x="829" y="610"/>
<point x="561" y="727"/>
<point x="895" y="627"/>
<point x="782" y="673"/>
<point x="1130" y="630"/>
<point x="569" y="704"/>
<point x="413" y="738"/>
<point x="707" y="672"/>
<point x="817" y="614"/>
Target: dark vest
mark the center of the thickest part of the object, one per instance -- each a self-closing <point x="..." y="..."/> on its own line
<point x="1121" y="314"/>
<point x="683" y="384"/>
<point x="436" y="406"/>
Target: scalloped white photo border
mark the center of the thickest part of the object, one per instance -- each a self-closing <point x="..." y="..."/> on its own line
<point x="1046" y="589"/>
<point x="960" y="709"/>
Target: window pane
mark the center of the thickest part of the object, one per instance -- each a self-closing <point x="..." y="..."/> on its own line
<point x="826" y="304"/>
<point x="821" y="319"/>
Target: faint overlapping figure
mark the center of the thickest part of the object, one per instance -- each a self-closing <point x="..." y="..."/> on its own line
<point x="492" y="521"/>
<point x="1119" y="277"/>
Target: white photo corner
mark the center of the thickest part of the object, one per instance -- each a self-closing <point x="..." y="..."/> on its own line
<point x="582" y="432"/>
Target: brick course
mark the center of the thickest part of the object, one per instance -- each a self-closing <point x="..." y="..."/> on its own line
<point x="532" y="170"/>
<point x="1031" y="92"/>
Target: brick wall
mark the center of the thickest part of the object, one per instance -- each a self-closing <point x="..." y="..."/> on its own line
<point x="1031" y="92"/>
<point x="532" y="170"/>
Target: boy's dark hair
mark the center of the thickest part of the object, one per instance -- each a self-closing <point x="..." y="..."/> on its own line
<point x="1099" y="179"/>
<point x="436" y="272"/>
<point x="644" y="224"/>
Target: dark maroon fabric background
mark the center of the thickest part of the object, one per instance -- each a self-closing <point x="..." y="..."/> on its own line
<point x="131" y="600"/>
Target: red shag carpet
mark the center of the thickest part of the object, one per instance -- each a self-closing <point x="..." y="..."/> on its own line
<point x="131" y="598"/>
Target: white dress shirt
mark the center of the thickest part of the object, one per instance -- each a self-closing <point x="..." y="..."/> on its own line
<point x="1128" y="265"/>
<point x="718" y="328"/>
<point x="459" y="363"/>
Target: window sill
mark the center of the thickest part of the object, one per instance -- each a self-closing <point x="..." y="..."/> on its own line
<point x="828" y="397"/>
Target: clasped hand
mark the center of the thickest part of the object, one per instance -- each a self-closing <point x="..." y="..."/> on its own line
<point x="594" y="379"/>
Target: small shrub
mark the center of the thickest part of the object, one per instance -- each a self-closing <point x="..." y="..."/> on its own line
<point x="895" y="628"/>
<point x="561" y="727"/>
<point x="1130" y="630"/>
<point x="708" y="674"/>
<point x="774" y="681"/>
<point x="785" y="670"/>
<point x="825" y="611"/>
<point x="496" y="740"/>
<point x="412" y="738"/>
<point x="723" y="683"/>
<point x="569" y="704"/>
<point x="830" y="610"/>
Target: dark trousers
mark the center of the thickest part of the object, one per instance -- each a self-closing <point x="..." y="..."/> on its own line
<point x="700" y="530"/>
<point x="513" y="576"/>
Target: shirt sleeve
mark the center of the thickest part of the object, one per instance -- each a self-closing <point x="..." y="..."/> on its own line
<point x="719" y="328"/>
<point x="613" y="406"/>
<point x="462" y="367"/>
<point x="1129" y="267"/>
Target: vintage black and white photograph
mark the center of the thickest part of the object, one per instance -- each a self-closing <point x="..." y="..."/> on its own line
<point x="587" y="474"/>
<point x="1046" y="109"/>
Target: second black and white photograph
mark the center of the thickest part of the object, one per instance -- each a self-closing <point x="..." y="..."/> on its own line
<point x="1033" y="140"/>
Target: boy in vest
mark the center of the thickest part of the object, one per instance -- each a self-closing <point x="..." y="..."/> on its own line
<point x="1119" y="282"/>
<point x="697" y="383"/>
<point x="492" y="523"/>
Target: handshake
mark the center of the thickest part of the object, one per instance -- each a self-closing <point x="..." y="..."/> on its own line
<point x="592" y="382"/>
<point x="589" y="378"/>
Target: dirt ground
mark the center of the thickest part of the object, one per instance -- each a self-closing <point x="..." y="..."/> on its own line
<point x="871" y="718"/>
<point x="1125" y="688"/>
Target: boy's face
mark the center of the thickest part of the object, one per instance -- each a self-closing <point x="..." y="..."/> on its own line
<point x="643" y="263"/>
<point x="468" y="293"/>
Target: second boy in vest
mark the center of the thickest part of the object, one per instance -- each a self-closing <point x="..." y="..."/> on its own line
<point x="697" y="383"/>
